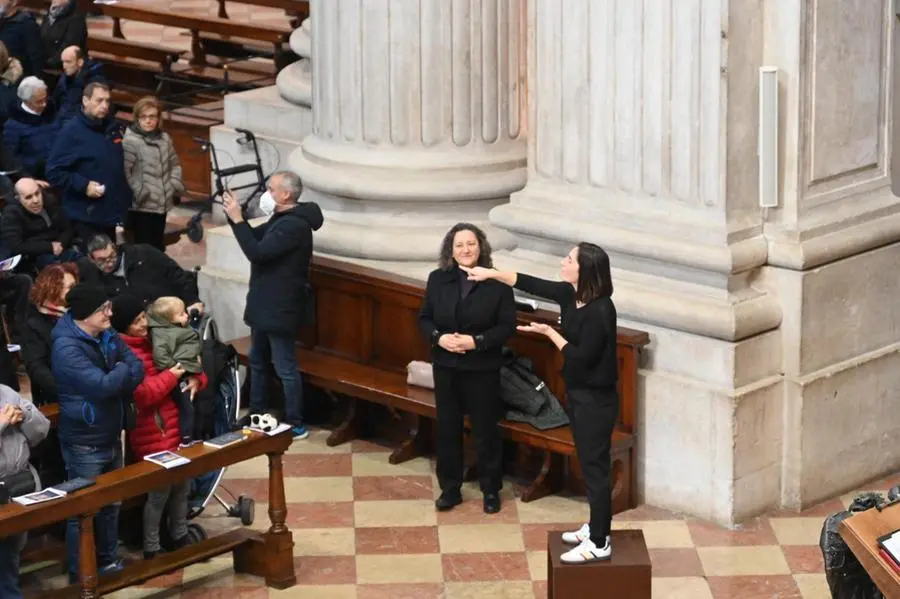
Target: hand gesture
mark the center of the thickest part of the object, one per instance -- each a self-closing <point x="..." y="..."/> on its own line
<point x="177" y="370"/>
<point x="232" y="207"/>
<point x="465" y="342"/>
<point x="57" y="248"/>
<point x="18" y="416"/>
<point x="193" y="385"/>
<point x="536" y="327"/>
<point x="450" y="342"/>
<point x="478" y="273"/>
<point x="95" y="190"/>
<point x="8" y="414"/>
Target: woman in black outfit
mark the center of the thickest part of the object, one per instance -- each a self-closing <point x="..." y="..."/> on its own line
<point x="588" y="344"/>
<point x="467" y="324"/>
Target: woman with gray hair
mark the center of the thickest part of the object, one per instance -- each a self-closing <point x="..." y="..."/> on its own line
<point x="32" y="126"/>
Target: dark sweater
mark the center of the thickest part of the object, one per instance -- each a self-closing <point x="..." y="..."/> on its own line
<point x="590" y="354"/>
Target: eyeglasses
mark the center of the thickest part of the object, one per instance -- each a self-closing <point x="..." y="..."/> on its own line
<point x="105" y="259"/>
<point x="106" y="308"/>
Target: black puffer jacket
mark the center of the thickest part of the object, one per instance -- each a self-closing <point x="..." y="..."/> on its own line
<point x="36" y="349"/>
<point x="279" y="252"/>
<point x="68" y="28"/>
<point x="149" y="275"/>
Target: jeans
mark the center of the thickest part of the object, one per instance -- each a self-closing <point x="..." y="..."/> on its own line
<point x="10" y="548"/>
<point x="177" y="498"/>
<point x="276" y="349"/>
<point x="91" y="462"/>
<point x="69" y="255"/>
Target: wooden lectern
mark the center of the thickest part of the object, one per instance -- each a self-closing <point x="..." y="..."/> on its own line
<point x="626" y="574"/>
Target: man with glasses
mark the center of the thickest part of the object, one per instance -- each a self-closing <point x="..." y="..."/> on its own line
<point x="96" y="375"/>
<point x="146" y="272"/>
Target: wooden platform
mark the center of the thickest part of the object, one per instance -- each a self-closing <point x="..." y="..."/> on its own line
<point x="625" y="575"/>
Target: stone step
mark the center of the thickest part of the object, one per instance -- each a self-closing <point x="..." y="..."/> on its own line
<point x="265" y="112"/>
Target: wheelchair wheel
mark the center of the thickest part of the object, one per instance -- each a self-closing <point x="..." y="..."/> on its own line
<point x="247" y="509"/>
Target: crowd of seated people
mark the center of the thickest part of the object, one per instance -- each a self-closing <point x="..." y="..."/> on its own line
<point x="71" y="180"/>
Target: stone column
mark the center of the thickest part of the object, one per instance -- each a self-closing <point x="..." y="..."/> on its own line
<point x="418" y="121"/>
<point x="643" y="139"/>
<point x="294" y="82"/>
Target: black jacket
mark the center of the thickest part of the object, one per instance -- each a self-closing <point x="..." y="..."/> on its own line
<point x="22" y="37"/>
<point x="488" y="313"/>
<point x="28" y="234"/>
<point x="69" y="28"/>
<point x="279" y="252"/>
<point x="36" y="349"/>
<point x="149" y="274"/>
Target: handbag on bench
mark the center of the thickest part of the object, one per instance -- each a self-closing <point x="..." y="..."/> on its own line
<point x="16" y="485"/>
<point x="420" y="374"/>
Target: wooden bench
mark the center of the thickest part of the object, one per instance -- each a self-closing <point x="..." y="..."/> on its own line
<point x="267" y="554"/>
<point x="366" y="331"/>
<point x="297" y="10"/>
<point x="274" y="38"/>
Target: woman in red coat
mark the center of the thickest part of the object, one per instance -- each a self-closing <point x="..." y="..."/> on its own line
<point x="156" y="428"/>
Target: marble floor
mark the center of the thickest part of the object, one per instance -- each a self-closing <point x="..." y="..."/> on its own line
<point x="367" y="529"/>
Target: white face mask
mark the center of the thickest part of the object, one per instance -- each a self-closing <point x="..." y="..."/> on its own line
<point x="267" y="204"/>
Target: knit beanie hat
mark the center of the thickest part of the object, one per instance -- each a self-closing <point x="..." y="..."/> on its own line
<point x="83" y="300"/>
<point x="125" y="308"/>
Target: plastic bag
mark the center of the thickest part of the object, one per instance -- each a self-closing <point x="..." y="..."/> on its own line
<point x="846" y="577"/>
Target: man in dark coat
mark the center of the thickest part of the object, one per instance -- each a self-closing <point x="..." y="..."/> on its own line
<point x="20" y="32"/>
<point x="88" y="163"/>
<point x="63" y="26"/>
<point x="279" y="252"/>
<point x="32" y="127"/>
<point x="77" y="74"/>
<point x="143" y="270"/>
<point x="36" y="229"/>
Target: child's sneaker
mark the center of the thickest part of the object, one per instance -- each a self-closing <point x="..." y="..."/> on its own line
<point x="185" y="442"/>
<point x="299" y="431"/>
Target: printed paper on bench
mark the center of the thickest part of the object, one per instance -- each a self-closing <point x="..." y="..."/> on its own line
<point x="167" y="459"/>
<point x="39" y="497"/>
<point x="10" y="263"/>
<point x="278" y="429"/>
<point x="891" y="544"/>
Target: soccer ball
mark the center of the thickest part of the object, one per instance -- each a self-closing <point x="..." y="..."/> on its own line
<point x="264" y="422"/>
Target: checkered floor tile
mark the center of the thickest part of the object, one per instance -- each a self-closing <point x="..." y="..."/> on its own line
<point x="366" y="529"/>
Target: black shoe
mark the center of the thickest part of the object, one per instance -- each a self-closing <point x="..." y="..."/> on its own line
<point x="491" y="503"/>
<point x="181" y="543"/>
<point x="448" y="500"/>
<point x="152" y="554"/>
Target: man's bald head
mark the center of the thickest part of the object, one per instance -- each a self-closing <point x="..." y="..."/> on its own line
<point x="72" y="60"/>
<point x="29" y="194"/>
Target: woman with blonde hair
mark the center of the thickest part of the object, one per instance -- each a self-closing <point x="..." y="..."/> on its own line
<point x="11" y="72"/>
<point x="153" y="171"/>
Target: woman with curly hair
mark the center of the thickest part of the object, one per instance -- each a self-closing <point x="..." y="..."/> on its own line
<point x="48" y="304"/>
<point x="467" y="325"/>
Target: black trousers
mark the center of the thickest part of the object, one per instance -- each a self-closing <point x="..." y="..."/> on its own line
<point x="85" y="231"/>
<point x="147" y="227"/>
<point x="593" y="414"/>
<point x="477" y="393"/>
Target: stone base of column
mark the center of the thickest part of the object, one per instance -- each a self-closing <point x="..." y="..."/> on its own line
<point x="395" y="204"/>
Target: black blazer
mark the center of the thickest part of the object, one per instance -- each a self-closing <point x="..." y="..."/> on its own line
<point x="488" y="313"/>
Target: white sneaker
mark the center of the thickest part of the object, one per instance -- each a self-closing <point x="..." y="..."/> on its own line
<point x="587" y="552"/>
<point x="574" y="538"/>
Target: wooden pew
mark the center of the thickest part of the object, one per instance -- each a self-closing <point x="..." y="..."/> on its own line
<point x="297" y="10"/>
<point x="365" y="334"/>
<point x="268" y="554"/>
<point x="275" y="38"/>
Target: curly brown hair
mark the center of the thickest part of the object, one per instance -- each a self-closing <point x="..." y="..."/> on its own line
<point x="48" y="285"/>
<point x="446" y="261"/>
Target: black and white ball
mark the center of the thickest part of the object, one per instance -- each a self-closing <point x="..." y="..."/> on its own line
<point x="263" y="422"/>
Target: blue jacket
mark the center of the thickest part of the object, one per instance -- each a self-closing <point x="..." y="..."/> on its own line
<point x="90" y="150"/>
<point x="31" y="136"/>
<point x="68" y="91"/>
<point x="94" y="378"/>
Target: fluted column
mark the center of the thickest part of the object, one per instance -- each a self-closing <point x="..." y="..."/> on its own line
<point x="294" y="82"/>
<point x="640" y="142"/>
<point x="418" y="121"/>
